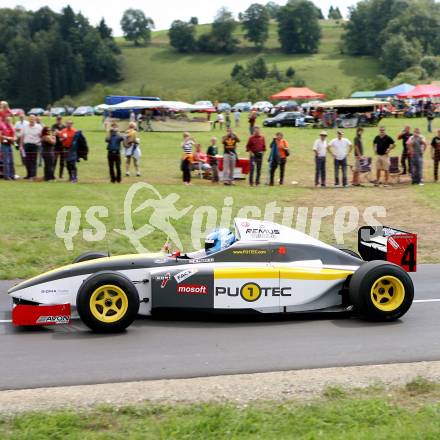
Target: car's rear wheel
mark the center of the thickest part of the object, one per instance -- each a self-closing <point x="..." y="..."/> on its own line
<point x="91" y="255"/>
<point x="381" y="291"/>
<point x="107" y="302"/>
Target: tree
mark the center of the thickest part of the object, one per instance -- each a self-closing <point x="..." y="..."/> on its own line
<point x="290" y="72"/>
<point x="334" y="13"/>
<point x="104" y="31"/>
<point x="273" y="9"/>
<point x="257" y="69"/>
<point x="255" y="22"/>
<point x="182" y="36"/>
<point x="194" y="21"/>
<point x="136" y="26"/>
<point x="298" y="27"/>
<point x="237" y="70"/>
<point x="431" y="65"/>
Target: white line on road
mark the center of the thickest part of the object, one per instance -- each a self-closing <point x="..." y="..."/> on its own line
<point x="4" y="321"/>
<point x="426" y="300"/>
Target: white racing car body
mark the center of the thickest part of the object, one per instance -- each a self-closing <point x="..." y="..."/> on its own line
<point x="269" y="269"/>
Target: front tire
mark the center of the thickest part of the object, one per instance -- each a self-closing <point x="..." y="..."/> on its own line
<point x="107" y="302"/>
<point x="381" y="291"/>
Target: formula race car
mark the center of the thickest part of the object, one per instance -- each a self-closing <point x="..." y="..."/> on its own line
<point x="261" y="268"/>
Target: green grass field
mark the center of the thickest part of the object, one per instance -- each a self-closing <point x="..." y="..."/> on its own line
<point x="28" y="244"/>
<point x="410" y="412"/>
<point x="159" y="70"/>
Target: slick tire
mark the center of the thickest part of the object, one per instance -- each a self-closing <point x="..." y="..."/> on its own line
<point x="107" y="302"/>
<point x="91" y="255"/>
<point x="381" y="291"/>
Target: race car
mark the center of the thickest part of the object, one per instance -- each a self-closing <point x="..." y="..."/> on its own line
<point x="262" y="268"/>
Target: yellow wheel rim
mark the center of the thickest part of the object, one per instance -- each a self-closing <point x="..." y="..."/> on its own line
<point x="388" y="293"/>
<point x="108" y="303"/>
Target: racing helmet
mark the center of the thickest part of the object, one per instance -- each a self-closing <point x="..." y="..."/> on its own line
<point x="218" y="240"/>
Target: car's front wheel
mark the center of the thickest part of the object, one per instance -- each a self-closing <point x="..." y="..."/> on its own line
<point x="107" y="302"/>
<point x="381" y="291"/>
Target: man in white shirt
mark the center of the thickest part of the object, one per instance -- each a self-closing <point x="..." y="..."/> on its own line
<point x="320" y="148"/>
<point x="30" y="140"/>
<point x="340" y="148"/>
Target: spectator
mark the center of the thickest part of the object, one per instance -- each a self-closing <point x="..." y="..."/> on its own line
<point x="132" y="116"/>
<point x="279" y="152"/>
<point x="132" y="149"/>
<point x="237" y="117"/>
<point x="48" y="141"/>
<point x="416" y="147"/>
<point x="7" y="138"/>
<point x="340" y="148"/>
<point x="187" y="147"/>
<point x="383" y="144"/>
<point x="435" y="154"/>
<point x="114" y="142"/>
<point x="358" y="155"/>
<point x="200" y="160"/>
<point x="29" y="142"/>
<point x="252" y="121"/>
<point x="219" y="120"/>
<point x="229" y="142"/>
<point x="18" y="131"/>
<point x="5" y="111"/>
<point x="59" y="153"/>
<point x="228" y="120"/>
<point x="67" y="135"/>
<point x="320" y="148"/>
<point x="430" y="116"/>
<point x="256" y="147"/>
<point x="212" y="152"/>
<point x="405" y="160"/>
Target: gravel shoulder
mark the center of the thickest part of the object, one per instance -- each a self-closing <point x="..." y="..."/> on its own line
<point x="240" y="389"/>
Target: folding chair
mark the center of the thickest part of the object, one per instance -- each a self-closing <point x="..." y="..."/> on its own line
<point x="366" y="173"/>
<point x="395" y="171"/>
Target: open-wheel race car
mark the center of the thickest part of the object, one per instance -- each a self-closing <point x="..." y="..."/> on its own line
<point x="262" y="268"/>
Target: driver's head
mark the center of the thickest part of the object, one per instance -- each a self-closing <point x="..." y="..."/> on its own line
<point x="218" y="240"/>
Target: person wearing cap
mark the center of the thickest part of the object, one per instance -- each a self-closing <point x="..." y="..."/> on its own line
<point x="320" y="148"/>
<point x="383" y="144"/>
<point x="340" y="148"/>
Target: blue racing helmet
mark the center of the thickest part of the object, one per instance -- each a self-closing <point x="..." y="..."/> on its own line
<point x="218" y="240"/>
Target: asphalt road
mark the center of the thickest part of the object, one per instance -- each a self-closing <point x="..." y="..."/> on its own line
<point x="153" y="349"/>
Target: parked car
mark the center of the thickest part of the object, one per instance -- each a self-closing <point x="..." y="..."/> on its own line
<point x="37" y="111"/>
<point x="204" y="104"/>
<point x="224" y="107"/>
<point x="242" y="106"/>
<point x="85" y="110"/>
<point x="262" y="106"/>
<point x="58" y="111"/>
<point x="69" y="110"/>
<point x="289" y="119"/>
<point x="17" y="112"/>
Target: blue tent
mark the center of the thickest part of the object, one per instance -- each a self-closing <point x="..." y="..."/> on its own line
<point x="402" y="88"/>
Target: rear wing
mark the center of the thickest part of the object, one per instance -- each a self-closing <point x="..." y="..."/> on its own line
<point x="389" y="244"/>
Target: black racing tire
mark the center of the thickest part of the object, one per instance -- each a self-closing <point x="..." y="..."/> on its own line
<point x="107" y="302"/>
<point x="350" y="252"/>
<point x="90" y="255"/>
<point x="381" y="291"/>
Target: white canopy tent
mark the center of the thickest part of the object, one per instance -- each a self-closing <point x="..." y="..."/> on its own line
<point x="136" y="104"/>
<point x="347" y="103"/>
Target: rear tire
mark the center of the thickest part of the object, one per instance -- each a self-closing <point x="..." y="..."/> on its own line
<point x="381" y="291"/>
<point x="91" y="255"/>
<point x="107" y="302"/>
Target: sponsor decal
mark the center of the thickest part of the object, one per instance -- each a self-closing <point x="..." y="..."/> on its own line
<point x="252" y="292"/>
<point x="263" y="232"/>
<point x="245" y="224"/>
<point x="161" y="260"/>
<point x="164" y="278"/>
<point x="201" y="260"/>
<point x="55" y="291"/>
<point x="182" y="276"/>
<point x="192" y="289"/>
<point x="53" y="319"/>
<point x="250" y="252"/>
<point x="282" y="250"/>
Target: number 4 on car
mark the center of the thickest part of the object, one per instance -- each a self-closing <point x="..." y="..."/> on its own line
<point x="260" y="268"/>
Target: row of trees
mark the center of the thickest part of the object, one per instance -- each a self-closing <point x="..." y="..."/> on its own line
<point x="401" y="33"/>
<point x="298" y="29"/>
<point x="45" y="55"/>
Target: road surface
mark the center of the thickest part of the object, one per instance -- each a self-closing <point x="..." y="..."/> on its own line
<point x="154" y="349"/>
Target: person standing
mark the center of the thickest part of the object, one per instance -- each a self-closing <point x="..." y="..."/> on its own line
<point x="435" y="154"/>
<point x="67" y="135"/>
<point x="279" y="151"/>
<point x="256" y="147"/>
<point x="187" y="158"/>
<point x="237" y="117"/>
<point x="29" y="141"/>
<point x="320" y="148"/>
<point x="229" y="142"/>
<point x="405" y="160"/>
<point x="340" y="148"/>
<point x="358" y="155"/>
<point x="211" y="153"/>
<point x="416" y="148"/>
<point x="219" y="120"/>
<point x="7" y="139"/>
<point x="383" y="144"/>
<point x="430" y="116"/>
<point x="48" y="141"/>
<point x="59" y="152"/>
<point x="132" y="149"/>
<point x="228" y="120"/>
<point x="252" y="121"/>
<point x="114" y="143"/>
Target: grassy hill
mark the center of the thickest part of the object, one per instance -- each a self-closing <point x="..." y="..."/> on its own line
<point x="159" y="70"/>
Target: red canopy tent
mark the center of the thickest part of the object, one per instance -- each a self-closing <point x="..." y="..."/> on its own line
<point x="422" y="91"/>
<point x="295" y="93"/>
